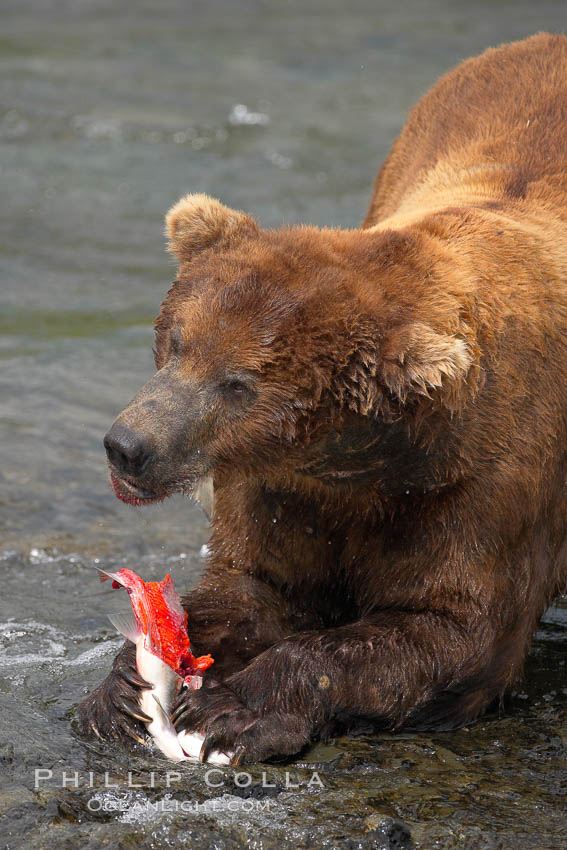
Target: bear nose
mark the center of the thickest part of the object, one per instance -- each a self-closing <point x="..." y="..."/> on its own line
<point x="127" y="450"/>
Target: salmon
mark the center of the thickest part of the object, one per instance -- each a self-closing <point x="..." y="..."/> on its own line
<point x="157" y="625"/>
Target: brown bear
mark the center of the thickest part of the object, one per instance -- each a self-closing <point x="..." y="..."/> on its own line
<point x="378" y="419"/>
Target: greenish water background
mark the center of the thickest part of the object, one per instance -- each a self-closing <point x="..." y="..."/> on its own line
<point x="108" y="113"/>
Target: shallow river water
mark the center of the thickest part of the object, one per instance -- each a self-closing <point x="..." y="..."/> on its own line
<point x="108" y="113"/>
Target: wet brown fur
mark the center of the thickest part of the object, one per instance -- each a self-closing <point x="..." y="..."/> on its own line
<point x="389" y="460"/>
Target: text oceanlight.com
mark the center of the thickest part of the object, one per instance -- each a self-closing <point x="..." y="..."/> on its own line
<point x="101" y="802"/>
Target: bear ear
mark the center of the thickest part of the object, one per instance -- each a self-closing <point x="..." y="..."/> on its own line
<point x="416" y="358"/>
<point x="197" y="222"/>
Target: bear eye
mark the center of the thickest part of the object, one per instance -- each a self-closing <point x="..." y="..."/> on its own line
<point x="236" y="387"/>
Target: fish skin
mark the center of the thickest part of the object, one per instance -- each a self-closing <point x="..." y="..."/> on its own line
<point x="163" y="620"/>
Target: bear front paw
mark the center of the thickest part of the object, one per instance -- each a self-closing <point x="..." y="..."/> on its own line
<point x="273" y="737"/>
<point x="112" y="712"/>
<point x="229" y="726"/>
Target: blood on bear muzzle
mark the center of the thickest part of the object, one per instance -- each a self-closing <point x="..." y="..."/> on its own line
<point x="130" y="493"/>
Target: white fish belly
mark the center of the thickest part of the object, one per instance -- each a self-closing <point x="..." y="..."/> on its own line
<point x="191" y="742"/>
<point x="166" y="683"/>
<point x="157" y="703"/>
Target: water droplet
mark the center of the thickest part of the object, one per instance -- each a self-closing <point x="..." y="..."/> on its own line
<point x="279" y="159"/>
<point x="240" y="114"/>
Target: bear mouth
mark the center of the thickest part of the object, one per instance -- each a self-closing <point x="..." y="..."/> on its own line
<point x="132" y="494"/>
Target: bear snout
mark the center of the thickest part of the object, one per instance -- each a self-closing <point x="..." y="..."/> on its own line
<point x="157" y="445"/>
<point x="128" y="451"/>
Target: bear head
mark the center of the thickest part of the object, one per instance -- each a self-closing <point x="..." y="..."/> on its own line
<point x="305" y="356"/>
